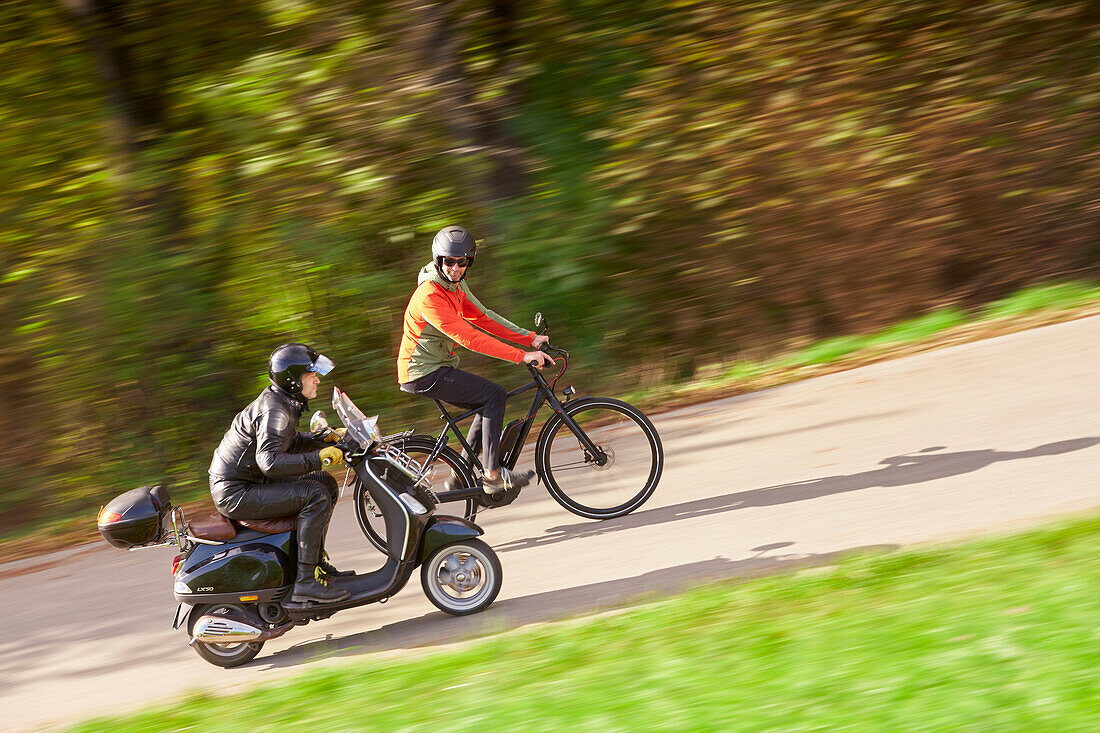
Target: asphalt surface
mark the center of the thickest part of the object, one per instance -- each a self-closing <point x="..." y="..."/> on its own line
<point x="983" y="437"/>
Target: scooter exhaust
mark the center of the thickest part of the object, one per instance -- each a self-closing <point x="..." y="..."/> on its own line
<point x="227" y="630"/>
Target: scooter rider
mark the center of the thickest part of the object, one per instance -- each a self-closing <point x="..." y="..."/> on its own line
<point x="443" y="311"/>
<point x="264" y="468"/>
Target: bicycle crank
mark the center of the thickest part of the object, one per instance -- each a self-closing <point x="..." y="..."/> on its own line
<point x="501" y="498"/>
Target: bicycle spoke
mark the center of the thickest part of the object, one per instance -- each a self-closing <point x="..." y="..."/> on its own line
<point x="570" y="466"/>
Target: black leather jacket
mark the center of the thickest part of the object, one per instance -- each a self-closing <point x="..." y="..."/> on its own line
<point x="264" y="441"/>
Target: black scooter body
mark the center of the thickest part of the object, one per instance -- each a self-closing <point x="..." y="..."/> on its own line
<point x="235" y="594"/>
<point x="258" y="568"/>
<point x="253" y="563"/>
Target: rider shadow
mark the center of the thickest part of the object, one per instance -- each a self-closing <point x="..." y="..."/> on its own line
<point x="905" y="470"/>
<point x="436" y="628"/>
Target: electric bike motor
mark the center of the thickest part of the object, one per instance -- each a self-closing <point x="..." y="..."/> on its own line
<point x="135" y="518"/>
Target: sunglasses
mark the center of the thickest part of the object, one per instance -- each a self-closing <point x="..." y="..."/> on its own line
<point x="456" y="261"/>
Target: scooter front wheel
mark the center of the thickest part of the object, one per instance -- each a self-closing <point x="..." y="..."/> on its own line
<point x="462" y="578"/>
<point x="222" y="655"/>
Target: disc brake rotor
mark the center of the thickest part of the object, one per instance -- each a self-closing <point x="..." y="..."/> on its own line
<point x="609" y="453"/>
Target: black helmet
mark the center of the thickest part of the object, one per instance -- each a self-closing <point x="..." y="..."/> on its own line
<point x="289" y="362"/>
<point x="453" y="241"/>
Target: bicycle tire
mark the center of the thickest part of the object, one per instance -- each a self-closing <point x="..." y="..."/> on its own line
<point x="627" y="440"/>
<point x="419" y="447"/>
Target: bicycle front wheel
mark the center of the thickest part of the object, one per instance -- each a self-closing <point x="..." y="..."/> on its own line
<point x="615" y="480"/>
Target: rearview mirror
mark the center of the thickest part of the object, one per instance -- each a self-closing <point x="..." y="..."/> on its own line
<point x="540" y="323"/>
<point x="317" y="422"/>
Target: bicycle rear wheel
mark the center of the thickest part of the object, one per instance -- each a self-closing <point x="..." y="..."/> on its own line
<point x="615" y="481"/>
<point x="447" y="464"/>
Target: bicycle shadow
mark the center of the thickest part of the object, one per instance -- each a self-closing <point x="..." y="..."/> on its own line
<point x="685" y="437"/>
<point x="904" y="470"/>
<point x="436" y="628"/>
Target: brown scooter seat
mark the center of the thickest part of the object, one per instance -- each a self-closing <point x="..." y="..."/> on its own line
<point x="219" y="527"/>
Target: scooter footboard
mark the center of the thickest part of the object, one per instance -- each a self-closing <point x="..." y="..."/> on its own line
<point x="443" y="531"/>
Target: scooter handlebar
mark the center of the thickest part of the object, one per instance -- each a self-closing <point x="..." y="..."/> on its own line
<point x="346" y="444"/>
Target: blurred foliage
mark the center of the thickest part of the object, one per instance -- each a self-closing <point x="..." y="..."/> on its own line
<point x="189" y="184"/>
<point x="838" y="164"/>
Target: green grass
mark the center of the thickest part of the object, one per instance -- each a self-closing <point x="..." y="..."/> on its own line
<point x="1056" y="296"/>
<point x="907" y="332"/>
<point x="919" y="328"/>
<point x="1065" y="296"/>
<point x="1052" y="299"/>
<point x="999" y="634"/>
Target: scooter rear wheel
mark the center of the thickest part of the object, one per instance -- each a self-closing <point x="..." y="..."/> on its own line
<point x="222" y="655"/>
<point x="462" y="578"/>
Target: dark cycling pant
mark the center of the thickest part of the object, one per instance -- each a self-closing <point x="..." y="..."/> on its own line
<point x="469" y="392"/>
<point x="311" y="496"/>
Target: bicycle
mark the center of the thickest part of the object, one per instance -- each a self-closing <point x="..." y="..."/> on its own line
<point x="598" y="457"/>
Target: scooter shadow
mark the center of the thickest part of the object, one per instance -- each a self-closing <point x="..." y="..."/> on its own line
<point x="437" y="629"/>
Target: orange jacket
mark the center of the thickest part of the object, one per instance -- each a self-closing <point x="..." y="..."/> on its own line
<point x="441" y="313"/>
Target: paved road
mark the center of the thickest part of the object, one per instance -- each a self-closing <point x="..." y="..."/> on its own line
<point x="987" y="436"/>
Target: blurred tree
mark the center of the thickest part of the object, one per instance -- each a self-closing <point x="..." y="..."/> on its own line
<point x="190" y="183"/>
<point x="812" y="168"/>
<point x="450" y="38"/>
<point x="143" y="53"/>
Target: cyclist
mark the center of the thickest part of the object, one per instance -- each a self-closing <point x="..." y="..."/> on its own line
<point x="443" y="311"/>
<point x="264" y="468"/>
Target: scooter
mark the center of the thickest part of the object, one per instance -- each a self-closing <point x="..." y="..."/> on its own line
<point x="233" y="577"/>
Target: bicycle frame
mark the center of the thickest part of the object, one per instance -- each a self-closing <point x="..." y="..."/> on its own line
<point x="544" y="394"/>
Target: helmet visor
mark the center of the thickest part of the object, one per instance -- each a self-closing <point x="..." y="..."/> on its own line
<point x="322" y="365"/>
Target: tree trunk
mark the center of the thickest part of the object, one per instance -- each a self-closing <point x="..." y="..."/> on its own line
<point x="477" y="127"/>
<point x="139" y="119"/>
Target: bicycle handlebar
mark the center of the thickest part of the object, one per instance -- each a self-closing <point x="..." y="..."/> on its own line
<point x="561" y="354"/>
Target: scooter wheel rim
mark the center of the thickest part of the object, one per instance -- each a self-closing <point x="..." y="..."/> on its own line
<point x="460" y="577"/>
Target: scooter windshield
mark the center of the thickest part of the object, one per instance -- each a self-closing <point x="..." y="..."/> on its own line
<point x="364" y="429"/>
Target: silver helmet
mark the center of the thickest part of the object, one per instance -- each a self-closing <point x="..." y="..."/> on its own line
<point x="453" y="241"/>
